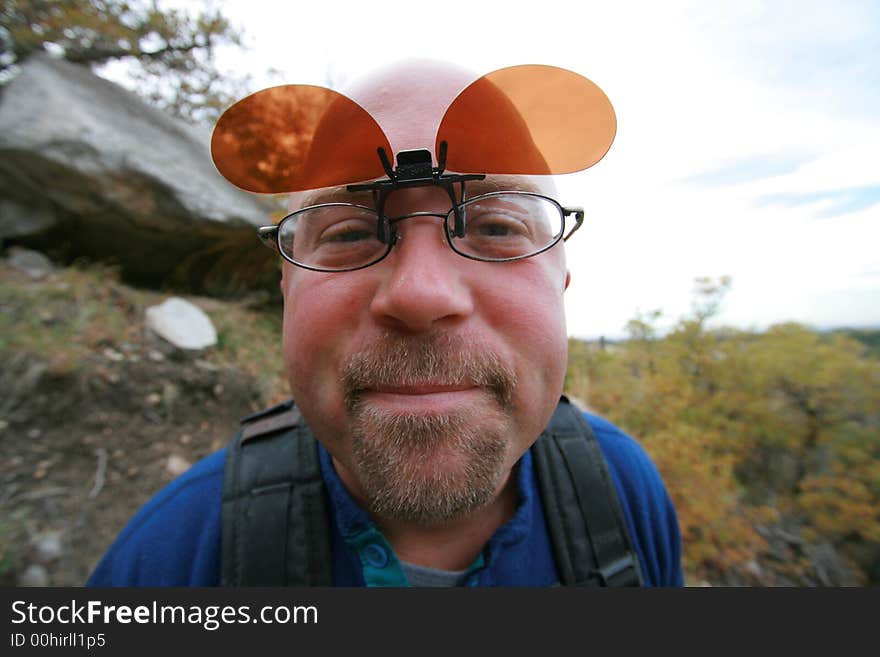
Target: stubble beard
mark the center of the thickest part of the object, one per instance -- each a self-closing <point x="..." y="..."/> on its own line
<point x="428" y="468"/>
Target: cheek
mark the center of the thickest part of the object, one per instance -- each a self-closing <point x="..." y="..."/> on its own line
<point x="544" y="346"/>
<point x="535" y="335"/>
<point x="320" y="314"/>
<point x="529" y="318"/>
<point x="531" y="315"/>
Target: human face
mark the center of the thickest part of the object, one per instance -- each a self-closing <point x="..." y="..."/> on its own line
<point x="427" y="375"/>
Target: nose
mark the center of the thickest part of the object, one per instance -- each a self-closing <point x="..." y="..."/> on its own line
<point x="423" y="283"/>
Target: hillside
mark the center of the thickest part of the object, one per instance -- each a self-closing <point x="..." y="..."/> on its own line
<point x="768" y="442"/>
<point x="97" y="414"/>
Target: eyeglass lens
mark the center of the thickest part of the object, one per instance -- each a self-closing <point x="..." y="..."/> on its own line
<point x="498" y="226"/>
<point x="531" y="119"/>
<point x="287" y="138"/>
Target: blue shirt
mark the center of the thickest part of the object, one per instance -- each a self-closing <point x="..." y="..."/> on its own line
<point x="175" y="539"/>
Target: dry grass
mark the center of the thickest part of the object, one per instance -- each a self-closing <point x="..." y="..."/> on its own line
<point x="75" y="311"/>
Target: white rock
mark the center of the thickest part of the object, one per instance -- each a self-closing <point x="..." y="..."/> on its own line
<point x="47" y="546"/>
<point x="182" y="324"/>
<point x="176" y="465"/>
<point x="34" y="575"/>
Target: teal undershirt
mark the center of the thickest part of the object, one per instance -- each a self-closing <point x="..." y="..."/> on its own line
<point x="381" y="567"/>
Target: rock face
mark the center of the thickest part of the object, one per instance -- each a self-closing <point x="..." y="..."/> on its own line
<point x="87" y="169"/>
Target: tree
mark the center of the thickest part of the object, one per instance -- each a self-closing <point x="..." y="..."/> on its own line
<point x="768" y="442"/>
<point x="169" y="52"/>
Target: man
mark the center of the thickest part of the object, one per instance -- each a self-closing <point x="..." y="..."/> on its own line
<point x="426" y="363"/>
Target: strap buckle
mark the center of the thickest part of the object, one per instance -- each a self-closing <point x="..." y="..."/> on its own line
<point x="622" y="572"/>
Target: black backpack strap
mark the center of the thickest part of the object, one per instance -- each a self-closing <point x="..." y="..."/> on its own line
<point x="587" y="528"/>
<point x="275" y="528"/>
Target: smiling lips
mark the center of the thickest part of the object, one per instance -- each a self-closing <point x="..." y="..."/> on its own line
<point x="420" y="389"/>
<point x="424" y="398"/>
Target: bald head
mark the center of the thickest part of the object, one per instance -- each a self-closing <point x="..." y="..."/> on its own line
<point x="408" y="100"/>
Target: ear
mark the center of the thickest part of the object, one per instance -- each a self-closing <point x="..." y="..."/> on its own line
<point x="567" y="279"/>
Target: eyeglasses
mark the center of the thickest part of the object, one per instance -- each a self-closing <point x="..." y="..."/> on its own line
<point x="493" y="227"/>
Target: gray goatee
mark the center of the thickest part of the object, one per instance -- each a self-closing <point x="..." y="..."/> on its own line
<point x="428" y="468"/>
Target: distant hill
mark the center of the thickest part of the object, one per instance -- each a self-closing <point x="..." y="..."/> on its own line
<point x="870" y="337"/>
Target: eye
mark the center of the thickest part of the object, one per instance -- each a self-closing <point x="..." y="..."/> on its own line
<point x="495" y="222"/>
<point x="497" y="226"/>
<point x="348" y="231"/>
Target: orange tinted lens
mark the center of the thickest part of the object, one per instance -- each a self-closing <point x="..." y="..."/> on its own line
<point x="296" y="137"/>
<point x="528" y="119"/>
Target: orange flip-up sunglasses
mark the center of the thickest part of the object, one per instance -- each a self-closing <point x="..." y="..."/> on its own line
<point x="529" y="119"/>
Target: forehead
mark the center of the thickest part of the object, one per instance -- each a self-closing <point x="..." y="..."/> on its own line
<point x="408" y="99"/>
<point x="539" y="184"/>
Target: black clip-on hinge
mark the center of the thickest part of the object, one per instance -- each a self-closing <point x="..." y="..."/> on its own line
<point x="414" y="169"/>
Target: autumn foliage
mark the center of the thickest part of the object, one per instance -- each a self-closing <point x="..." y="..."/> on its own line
<point x="768" y="442"/>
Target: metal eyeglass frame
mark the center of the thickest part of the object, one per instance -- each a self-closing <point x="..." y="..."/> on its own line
<point x="414" y="170"/>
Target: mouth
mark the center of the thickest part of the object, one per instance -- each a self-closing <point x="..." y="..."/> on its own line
<point x="420" y="389"/>
<point x="433" y="372"/>
<point x="423" y="398"/>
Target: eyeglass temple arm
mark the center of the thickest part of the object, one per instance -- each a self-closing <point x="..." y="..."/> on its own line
<point x="269" y="236"/>
<point x="578" y="218"/>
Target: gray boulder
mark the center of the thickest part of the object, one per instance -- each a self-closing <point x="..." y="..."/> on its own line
<point x="32" y="263"/>
<point x="88" y="169"/>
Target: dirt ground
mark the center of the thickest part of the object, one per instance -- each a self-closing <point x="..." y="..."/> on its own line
<point x="80" y="452"/>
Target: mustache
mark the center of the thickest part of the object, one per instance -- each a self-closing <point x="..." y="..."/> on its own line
<point x="434" y="359"/>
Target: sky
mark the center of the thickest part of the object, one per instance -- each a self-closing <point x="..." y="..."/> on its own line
<point x="748" y="139"/>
